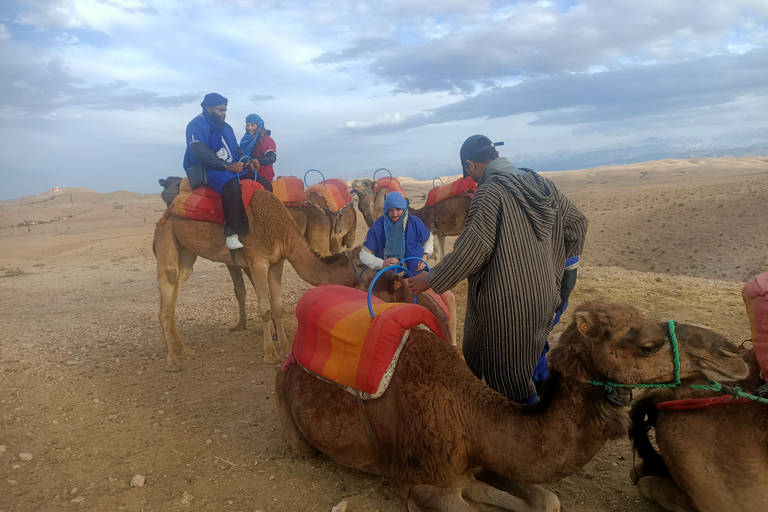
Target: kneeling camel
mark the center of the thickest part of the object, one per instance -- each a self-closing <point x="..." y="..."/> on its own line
<point x="709" y="460"/>
<point x="436" y="421"/>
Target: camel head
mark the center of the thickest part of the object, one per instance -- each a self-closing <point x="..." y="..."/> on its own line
<point x="363" y="186"/>
<point x="619" y="343"/>
<point x="170" y="188"/>
<point x="390" y="287"/>
<point x="362" y="270"/>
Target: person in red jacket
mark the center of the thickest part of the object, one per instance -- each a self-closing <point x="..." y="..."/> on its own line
<point x="258" y="144"/>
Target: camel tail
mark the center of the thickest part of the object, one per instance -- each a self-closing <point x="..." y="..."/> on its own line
<point x="644" y="415"/>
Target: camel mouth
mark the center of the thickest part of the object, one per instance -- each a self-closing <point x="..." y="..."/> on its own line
<point x="717" y="370"/>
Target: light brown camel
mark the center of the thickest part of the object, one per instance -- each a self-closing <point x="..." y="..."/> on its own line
<point x="313" y="225"/>
<point x="446" y="218"/>
<point x="437" y="421"/>
<point x="709" y="460"/>
<point x="370" y="204"/>
<point x="342" y="224"/>
<point x="273" y="238"/>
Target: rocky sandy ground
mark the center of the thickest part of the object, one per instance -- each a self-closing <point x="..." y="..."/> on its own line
<point x="84" y="392"/>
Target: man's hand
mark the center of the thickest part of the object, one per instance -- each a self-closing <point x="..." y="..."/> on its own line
<point x="417" y="283"/>
<point x="391" y="261"/>
<point x="236" y="167"/>
<point x="422" y="264"/>
<point x="252" y="165"/>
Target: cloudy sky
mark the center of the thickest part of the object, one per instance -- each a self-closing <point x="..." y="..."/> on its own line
<point x="97" y="93"/>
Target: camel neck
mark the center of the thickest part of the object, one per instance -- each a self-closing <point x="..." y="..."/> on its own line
<point x="548" y="441"/>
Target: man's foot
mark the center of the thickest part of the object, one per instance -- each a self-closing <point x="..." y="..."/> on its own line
<point x="233" y="242"/>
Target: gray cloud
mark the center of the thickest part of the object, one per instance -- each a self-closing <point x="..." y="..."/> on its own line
<point x="36" y="89"/>
<point x="260" y="98"/>
<point x="627" y="93"/>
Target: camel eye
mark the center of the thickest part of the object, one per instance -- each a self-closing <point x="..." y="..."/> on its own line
<point x="649" y="350"/>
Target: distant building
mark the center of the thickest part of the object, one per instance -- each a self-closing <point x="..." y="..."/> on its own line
<point x="56" y="189"/>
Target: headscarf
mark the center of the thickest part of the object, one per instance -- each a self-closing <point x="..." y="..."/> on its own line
<point x="213" y="99"/>
<point x="248" y="142"/>
<point x="395" y="231"/>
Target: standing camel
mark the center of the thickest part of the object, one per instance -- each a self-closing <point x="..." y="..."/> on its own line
<point x="446" y="218"/>
<point x="273" y="238"/>
<point x="313" y="225"/>
<point x="343" y="222"/>
<point x="710" y="460"/>
<point x="436" y="421"/>
<point x="370" y="202"/>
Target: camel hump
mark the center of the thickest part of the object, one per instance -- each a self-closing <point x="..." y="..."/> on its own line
<point x="462" y="186"/>
<point x="338" y="340"/>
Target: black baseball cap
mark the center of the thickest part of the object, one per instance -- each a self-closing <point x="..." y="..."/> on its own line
<point x="474" y="145"/>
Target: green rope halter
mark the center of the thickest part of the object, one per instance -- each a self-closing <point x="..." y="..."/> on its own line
<point x="671" y="384"/>
<point x="736" y="392"/>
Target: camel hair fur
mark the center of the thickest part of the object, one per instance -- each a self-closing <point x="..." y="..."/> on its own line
<point x="370" y="203"/>
<point x="437" y="423"/>
<point x="709" y="460"/>
<point x="343" y="223"/>
<point x="273" y="238"/>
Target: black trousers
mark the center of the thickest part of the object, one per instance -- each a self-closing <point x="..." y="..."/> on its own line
<point x="235" y="218"/>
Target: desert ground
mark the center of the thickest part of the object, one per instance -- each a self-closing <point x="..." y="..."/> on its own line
<point x="83" y="388"/>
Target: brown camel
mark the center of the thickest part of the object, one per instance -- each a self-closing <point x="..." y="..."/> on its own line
<point x="436" y="421"/>
<point x="273" y="238"/>
<point x="342" y="223"/>
<point x="446" y="218"/>
<point x="369" y="203"/>
<point x="709" y="460"/>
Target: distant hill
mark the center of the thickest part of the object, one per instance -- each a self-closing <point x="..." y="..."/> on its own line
<point x="752" y="143"/>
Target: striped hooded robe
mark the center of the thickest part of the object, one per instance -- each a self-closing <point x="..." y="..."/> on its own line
<point x="519" y="232"/>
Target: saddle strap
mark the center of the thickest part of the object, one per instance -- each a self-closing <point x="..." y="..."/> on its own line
<point x="371" y="435"/>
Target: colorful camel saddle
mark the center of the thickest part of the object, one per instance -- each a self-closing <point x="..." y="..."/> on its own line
<point x="204" y="203"/>
<point x="338" y="341"/>
<point x="390" y="184"/>
<point x="463" y="186"/>
<point x="290" y="190"/>
<point x="335" y="193"/>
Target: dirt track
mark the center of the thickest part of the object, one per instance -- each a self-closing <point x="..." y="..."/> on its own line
<point x="82" y="386"/>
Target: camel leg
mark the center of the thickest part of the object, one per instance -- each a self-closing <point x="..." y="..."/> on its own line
<point x="174" y="265"/>
<point x="441" y="247"/>
<point x="276" y="302"/>
<point x="237" y="281"/>
<point x="260" y="280"/>
<point x="428" y="498"/>
<point x="534" y="496"/>
<point x="666" y="493"/>
<point x="349" y="239"/>
<point x="450" y="299"/>
<point x="186" y="262"/>
<point x="484" y="493"/>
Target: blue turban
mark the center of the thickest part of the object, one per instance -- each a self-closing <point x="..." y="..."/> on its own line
<point x="395" y="200"/>
<point x="213" y="99"/>
<point x="253" y="118"/>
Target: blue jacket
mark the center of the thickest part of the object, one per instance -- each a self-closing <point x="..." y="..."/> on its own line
<point x="219" y="138"/>
<point x="416" y="234"/>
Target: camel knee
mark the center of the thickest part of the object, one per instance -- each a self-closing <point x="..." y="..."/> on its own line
<point x="665" y="492"/>
<point x="172" y="275"/>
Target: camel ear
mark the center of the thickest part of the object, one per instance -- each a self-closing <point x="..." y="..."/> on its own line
<point x="592" y="324"/>
<point x="163" y="183"/>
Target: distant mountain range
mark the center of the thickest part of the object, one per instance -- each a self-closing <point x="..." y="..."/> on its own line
<point x="752" y="143"/>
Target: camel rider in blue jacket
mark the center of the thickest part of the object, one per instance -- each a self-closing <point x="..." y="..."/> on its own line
<point x="212" y="158"/>
<point x="397" y="235"/>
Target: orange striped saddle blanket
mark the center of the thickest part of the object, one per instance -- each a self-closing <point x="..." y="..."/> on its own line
<point x="204" y="203"/>
<point x="290" y="190"/>
<point x="335" y="193"/>
<point x="390" y="184"/>
<point x="338" y="341"/>
<point x="463" y="186"/>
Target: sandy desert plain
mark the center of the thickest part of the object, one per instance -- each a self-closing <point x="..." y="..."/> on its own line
<point x="84" y="391"/>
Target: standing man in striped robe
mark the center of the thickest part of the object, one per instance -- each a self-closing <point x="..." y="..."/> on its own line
<point x="519" y="233"/>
